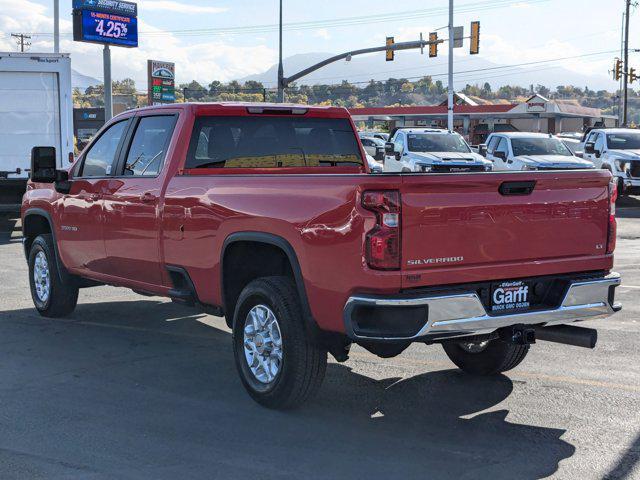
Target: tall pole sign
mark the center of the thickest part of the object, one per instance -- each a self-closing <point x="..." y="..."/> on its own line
<point x="162" y="82"/>
<point x="106" y="22"/>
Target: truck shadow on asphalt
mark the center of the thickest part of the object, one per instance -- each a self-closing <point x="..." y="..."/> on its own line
<point x="8" y="223"/>
<point x="144" y="387"/>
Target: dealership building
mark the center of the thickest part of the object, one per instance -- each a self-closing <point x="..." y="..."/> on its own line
<point x="475" y="121"/>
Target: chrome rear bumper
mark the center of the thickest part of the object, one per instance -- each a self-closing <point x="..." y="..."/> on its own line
<point x="463" y="314"/>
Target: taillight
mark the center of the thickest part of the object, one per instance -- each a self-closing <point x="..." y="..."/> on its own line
<point x="383" y="241"/>
<point x="611" y="234"/>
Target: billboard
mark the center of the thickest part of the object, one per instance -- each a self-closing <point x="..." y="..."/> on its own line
<point x="162" y="82"/>
<point x="111" y="22"/>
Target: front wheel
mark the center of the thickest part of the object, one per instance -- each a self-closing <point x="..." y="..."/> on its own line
<point x="51" y="297"/>
<point x="488" y="357"/>
<point x="279" y="365"/>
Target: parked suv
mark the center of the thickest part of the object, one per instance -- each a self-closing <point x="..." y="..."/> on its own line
<point x="431" y="150"/>
<point x="265" y="214"/>
<point x="531" y="151"/>
<point x="617" y="150"/>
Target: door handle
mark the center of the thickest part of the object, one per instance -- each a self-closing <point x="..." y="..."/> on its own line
<point x="147" y="197"/>
<point x="517" y="188"/>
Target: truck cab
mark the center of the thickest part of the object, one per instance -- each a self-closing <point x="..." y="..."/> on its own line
<point x="616" y="150"/>
<point x="431" y="150"/>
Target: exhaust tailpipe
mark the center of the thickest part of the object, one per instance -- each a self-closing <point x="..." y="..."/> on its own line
<point x="569" y="335"/>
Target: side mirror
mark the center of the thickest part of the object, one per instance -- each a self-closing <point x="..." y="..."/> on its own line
<point x="43" y="164"/>
<point x="388" y="148"/>
<point x="500" y="155"/>
<point x="482" y="149"/>
<point x="589" y="148"/>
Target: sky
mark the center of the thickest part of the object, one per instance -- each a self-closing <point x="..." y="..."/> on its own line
<point x="228" y="39"/>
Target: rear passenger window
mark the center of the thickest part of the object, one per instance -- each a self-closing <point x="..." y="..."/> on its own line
<point x="272" y="142"/>
<point x="148" y="147"/>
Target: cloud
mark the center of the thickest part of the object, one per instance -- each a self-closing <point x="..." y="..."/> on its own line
<point x="322" y="33"/>
<point x="203" y="61"/>
<point x="501" y="51"/>
<point x="179" y="7"/>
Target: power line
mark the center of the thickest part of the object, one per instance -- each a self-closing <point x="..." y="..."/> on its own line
<point x="22" y="40"/>
<point x="335" y="22"/>
<point x="475" y="70"/>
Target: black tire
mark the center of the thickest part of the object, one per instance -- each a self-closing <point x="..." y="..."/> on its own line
<point x="62" y="296"/>
<point x="303" y="363"/>
<point x="496" y="357"/>
<point x="620" y="187"/>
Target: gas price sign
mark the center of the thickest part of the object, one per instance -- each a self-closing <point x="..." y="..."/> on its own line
<point x="105" y="21"/>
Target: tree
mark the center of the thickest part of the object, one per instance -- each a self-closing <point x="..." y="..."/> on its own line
<point x="215" y="87"/>
<point x="252" y="86"/>
<point x="193" y="91"/>
<point x="124" y="87"/>
<point x="407" y="87"/>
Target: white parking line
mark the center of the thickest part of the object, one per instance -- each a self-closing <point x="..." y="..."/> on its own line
<point x="634" y="287"/>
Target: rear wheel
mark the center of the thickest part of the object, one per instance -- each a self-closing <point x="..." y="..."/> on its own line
<point x="279" y="365"/>
<point x="487" y="357"/>
<point x="51" y="297"/>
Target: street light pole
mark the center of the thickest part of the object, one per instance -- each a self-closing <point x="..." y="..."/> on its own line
<point x="280" y="66"/>
<point x="108" y="102"/>
<point x="450" y="87"/>
<point x="625" y="71"/>
<point x="56" y="26"/>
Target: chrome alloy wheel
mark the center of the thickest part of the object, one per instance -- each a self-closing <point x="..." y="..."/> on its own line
<point x="474" y="347"/>
<point x="263" y="344"/>
<point x="41" y="277"/>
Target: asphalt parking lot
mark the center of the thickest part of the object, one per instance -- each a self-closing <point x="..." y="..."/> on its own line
<point x="136" y="387"/>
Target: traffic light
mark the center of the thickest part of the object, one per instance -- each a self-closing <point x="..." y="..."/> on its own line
<point x="475" y="38"/>
<point x="433" y="47"/>
<point x="632" y="75"/>
<point x="617" y="69"/>
<point x="390" y="53"/>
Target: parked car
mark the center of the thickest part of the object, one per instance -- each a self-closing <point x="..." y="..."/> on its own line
<point x="616" y="150"/>
<point x="531" y="151"/>
<point x="265" y="214"/>
<point x="418" y="149"/>
<point x="373" y="146"/>
<point x="379" y="135"/>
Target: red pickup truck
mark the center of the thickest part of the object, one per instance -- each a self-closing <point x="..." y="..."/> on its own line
<point x="267" y="215"/>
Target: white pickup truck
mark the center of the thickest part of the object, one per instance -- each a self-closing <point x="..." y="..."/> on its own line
<point x="531" y="151"/>
<point x="616" y="150"/>
<point x="36" y="108"/>
<point x="415" y="149"/>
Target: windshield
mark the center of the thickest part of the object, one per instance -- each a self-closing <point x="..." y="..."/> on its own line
<point x="623" y="141"/>
<point x="423" y="142"/>
<point x="539" y="146"/>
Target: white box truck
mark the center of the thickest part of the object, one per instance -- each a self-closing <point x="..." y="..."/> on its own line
<point x="36" y="109"/>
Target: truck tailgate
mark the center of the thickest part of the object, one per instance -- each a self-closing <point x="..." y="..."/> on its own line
<point x="462" y="228"/>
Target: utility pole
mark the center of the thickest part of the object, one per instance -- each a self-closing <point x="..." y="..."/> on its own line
<point x="56" y="26"/>
<point x="23" y="40"/>
<point x="450" y="88"/>
<point x="625" y="90"/>
<point x="108" y="101"/>
<point x="280" y="66"/>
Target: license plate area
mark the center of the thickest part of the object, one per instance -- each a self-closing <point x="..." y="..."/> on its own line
<point x="510" y="296"/>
